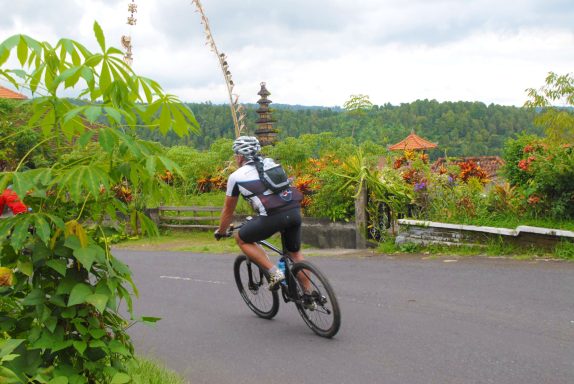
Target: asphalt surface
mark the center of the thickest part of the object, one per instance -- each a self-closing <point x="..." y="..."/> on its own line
<point x="404" y="320"/>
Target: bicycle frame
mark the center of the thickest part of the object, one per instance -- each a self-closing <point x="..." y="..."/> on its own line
<point x="289" y="289"/>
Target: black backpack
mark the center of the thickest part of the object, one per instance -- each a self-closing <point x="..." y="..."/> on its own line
<point x="272" y="175"/>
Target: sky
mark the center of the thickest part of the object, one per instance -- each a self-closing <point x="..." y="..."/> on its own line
<point x="320" y="52"/>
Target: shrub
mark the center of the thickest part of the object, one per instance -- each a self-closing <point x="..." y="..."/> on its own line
<point x="60" y="314"/>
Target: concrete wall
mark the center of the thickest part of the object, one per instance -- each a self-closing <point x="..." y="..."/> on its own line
<point x="326" y="234"/>
<point x="428" y="232"/>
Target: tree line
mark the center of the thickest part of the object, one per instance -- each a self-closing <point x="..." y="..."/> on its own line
<point x="459" y="128"/>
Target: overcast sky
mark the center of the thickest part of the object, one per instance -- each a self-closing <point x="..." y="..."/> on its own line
<point x="319" y="52"/>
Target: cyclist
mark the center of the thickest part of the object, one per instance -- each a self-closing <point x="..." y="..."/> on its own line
<point x="10" y="204"/>
<point x="277" y="212"/>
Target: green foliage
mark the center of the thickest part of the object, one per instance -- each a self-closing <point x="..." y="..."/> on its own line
<point x="294" y="151"/>
<point x="543" y="173"/>
<point x="17" y="139"/>
<point x="557" y="93"/>
<point x="513" y="153"/>
<point x="60" y="319"/>
<point x="565" y="250"/>
<point x="332" y="199"/>
<point x="460" y="128"/>
<point x="383" y="186"/>
<point x="196" y="164"/>
<point x="147" y="371"/>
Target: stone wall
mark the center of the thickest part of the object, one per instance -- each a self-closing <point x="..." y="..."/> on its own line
<point x="428" y="232"/>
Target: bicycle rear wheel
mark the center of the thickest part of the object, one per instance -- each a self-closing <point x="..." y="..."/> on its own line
<point x="319" y="307"/>
<point x="253" y="286"/>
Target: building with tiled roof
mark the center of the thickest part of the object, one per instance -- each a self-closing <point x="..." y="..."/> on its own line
<point x="489" y="164"/>
<point x="411" y="143"/>
<point x="6" y="93"/>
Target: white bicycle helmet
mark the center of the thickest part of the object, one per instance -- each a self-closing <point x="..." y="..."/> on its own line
<point x="247" y="146"/>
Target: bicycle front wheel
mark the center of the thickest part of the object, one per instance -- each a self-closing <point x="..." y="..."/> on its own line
<point x="253" y="286"/>
<point x="317" y="303"/>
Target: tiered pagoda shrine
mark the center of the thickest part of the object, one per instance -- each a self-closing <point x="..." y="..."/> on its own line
<point x="266" y="134"/>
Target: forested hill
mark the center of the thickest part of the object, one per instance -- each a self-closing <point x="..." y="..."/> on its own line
<point x="460" y="128"/>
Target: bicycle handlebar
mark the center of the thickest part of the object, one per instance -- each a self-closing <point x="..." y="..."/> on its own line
<point x="230" y="230"/>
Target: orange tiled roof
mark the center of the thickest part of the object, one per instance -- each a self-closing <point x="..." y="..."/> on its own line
<point x="412" y="142"/>
<point x="6" y="93"/>
<point x="490" y="164"/>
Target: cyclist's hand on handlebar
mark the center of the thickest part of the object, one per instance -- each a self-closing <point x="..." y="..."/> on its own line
<point x="227" y="233"/>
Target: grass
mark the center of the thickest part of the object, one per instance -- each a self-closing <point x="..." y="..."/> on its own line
<point x="495" y="248"/>
<point x="147" y="371"/>
<point x="192" y="241"/>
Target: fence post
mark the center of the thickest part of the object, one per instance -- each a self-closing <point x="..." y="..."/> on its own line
<point x="153" y="214"/>
<point x="361" y="217"/>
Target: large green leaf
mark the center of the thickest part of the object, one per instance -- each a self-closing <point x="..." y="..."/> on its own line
<point x="22" y="183"/>
<point x="79" y="294"/>
<point x="86" y="256"/>
<point x="20" y="231"/>
<point x="80" y="346"/>
<point x="22" y="51"/>
<point x="42" y="227"/>
<point x="93" y="113"/>
<point x="113" y="114"/>
<point x="148" y="226"/>
<point x="84" y="178"/>
<point x="98" y="300"/>
<point x="100" y="36"/>
<point x="108" y="139"/>
<point x="35" y="297"/>
<point x="121" y="378"/>
<point x="105" y="77"/>
<point x="25" y="267"/>
<point x="8" y="346"/>
<point x="8" y="376"/>
<point x="59" y="266"/>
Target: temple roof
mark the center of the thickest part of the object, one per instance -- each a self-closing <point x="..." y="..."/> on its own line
<point x="6" y="93"/>
<point x="412" y="142"/>
<point x="489" y="164"/>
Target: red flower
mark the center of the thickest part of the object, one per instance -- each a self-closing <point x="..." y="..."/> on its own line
<point x="533" y="200"/>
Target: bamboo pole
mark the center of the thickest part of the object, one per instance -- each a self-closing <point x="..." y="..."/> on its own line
<point x="237" y="110"/>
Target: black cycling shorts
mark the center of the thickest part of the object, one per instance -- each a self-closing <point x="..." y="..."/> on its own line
<point x="262" y="227"/>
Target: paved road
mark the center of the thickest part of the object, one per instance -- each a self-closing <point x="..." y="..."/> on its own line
<point x="403" y="321"/>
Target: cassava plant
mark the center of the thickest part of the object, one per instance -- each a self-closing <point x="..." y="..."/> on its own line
<point x="61" y="289"/>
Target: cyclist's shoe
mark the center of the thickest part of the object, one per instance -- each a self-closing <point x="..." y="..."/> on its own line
<point x="309" y="301"/>
<point x="275" y="279"/>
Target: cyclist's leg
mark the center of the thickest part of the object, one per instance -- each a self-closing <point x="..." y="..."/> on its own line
<point x="260" y="228"/>
<point x="292" y="242"/>
<point x="254" y="252"/>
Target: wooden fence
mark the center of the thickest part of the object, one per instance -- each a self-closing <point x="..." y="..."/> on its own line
<point x="192" y="217"/>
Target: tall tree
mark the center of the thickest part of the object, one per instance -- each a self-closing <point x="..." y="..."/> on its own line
<point x="556" y="99"/>
<point x="356" y="107"/>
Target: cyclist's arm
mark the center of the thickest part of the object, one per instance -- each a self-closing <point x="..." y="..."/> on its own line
<point x="227" y="213"/>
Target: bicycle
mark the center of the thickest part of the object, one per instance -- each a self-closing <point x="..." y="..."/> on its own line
<point x="317" y="304"/>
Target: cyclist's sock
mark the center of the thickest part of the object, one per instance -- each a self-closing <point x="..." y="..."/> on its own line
<point x="272" y="270"/>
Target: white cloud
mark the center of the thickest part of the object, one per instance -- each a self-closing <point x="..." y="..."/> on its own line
<point x="320" y="52"/>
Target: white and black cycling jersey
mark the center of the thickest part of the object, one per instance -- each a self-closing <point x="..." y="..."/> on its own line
<point x="245" y="181"/>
